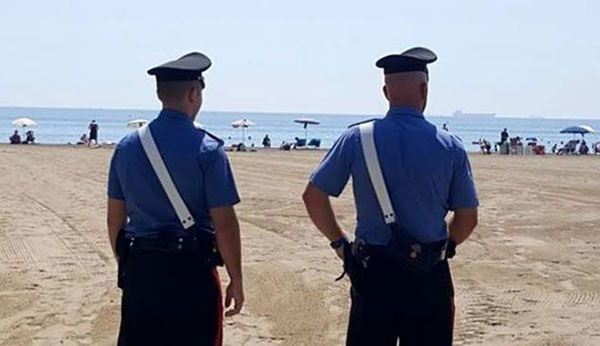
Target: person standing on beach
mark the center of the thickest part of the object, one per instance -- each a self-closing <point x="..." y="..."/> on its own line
<point x="504" y="136"/>
<point x="93" y="127"/>
<point x="406" y="176"/>
<point x="171" y="220"/>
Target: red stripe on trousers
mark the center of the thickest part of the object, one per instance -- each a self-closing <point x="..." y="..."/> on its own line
<point x="452" y="319"/>
<point x="219" y="331"/>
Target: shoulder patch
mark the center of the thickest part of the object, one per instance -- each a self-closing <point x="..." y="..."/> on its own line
<point x="362" y="122"/>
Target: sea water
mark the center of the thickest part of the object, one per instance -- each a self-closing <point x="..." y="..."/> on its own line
<point x="66" y="125"/>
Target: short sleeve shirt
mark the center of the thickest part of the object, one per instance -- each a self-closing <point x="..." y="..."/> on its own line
<point x="198" y="166"/>
<point x="426" y="171"/>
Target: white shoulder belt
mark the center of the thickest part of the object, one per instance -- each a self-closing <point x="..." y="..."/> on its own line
<point x="183" y="213"/>
<point x="370" y="153"/>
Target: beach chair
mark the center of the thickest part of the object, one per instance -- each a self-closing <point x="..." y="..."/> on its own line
<point x="300" y="143"/>
<point x="516" y="146"/>
<point x="315" y="142"/>
<point x="569" y="148"/>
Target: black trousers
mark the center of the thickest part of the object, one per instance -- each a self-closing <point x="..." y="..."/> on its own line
<point x="392" y="304"/>
<point x="169" y="299"/>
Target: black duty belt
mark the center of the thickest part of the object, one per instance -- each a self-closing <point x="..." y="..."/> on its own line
<point x="197" y="242"/>
<point x="166" y="244"/>
<point x="416" y="257"/>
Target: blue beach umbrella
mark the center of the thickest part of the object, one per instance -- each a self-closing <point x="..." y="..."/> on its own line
<point x="578" y="130"/>
<point x="306" y="122"/>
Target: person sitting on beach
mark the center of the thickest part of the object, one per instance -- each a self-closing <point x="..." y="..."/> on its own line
<point x="583" y="148"/>
<point x="241" y="147"/>
<point x="285" y="146"/>
<point x="30" y="138"/>
<point x="485" y="146"/>
<point x="266" y="142"/>
<point x="15" y="138"/>
<point x="83" y="140"/>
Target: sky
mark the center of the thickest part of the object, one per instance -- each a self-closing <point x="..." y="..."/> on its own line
<point x="510" y="57"/>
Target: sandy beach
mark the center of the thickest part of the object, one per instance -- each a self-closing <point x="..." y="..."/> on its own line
<point x="530" y="274"/>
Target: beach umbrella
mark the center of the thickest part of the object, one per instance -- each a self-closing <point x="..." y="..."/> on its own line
<point x="305" y="122"/>
<point x="243" y="124"/>
<point x="137" y="123"/>
<point x="24" y="122"/>
<point x="580" y="129"/>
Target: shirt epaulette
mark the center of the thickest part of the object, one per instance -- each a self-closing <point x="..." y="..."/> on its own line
<point x="362" y="122"/>
<point x="213" y="136"/>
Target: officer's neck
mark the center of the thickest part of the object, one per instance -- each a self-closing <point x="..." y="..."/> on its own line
<point x="180" y="108"/>
<point x="419" y="107"/>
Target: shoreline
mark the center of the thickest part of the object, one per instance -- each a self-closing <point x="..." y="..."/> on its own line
<point x="259" y="150"/>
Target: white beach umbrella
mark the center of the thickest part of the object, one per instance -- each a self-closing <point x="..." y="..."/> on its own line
<point x="24" y="122"/>
<point x="137" y="123"/>
<point x="243" y="124"/>
<point x="306" y="122"/>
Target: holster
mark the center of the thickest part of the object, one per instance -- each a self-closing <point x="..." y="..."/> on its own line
<point x="122" y="252"/>
<point x="418" y="258"/>
<point x="356" y="260"/>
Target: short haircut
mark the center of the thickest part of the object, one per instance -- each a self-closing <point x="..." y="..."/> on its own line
<point x="175" y="91"/>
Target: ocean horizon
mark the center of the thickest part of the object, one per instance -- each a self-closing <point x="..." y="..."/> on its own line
<point x="66" y="125"/>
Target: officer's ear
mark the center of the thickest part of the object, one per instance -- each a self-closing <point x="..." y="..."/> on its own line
<point x="384" y="89"/>
<point x="424" y="91"/>
<point x="193" y="94"/>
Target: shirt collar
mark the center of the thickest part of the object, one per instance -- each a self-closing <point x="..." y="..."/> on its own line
<point x="411" y="111"/>
<point x="173" y="114"/>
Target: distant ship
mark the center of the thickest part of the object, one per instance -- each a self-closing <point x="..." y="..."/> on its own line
<point x="460" y="114"/>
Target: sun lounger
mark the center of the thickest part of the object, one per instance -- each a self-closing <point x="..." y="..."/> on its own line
<point x="300" y="142"/>
<point x="315" y="142"/>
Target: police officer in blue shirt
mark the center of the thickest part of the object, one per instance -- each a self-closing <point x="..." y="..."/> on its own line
<point x="401" y="283"/>
<point x="171" y="289"/>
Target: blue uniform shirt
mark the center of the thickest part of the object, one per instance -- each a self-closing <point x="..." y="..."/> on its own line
<point x="427" y="173"/>
<point x="198" y="166"/>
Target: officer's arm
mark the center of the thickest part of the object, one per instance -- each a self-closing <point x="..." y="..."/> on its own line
<point x="227" y="230"/>
<point x="115" y="220"/>
<point x="321" y="213"/>
<point x="462" y="225"/>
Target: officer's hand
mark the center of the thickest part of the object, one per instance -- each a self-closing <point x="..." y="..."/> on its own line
<point x="340" y="252"/>
<point x="235" y="292"/>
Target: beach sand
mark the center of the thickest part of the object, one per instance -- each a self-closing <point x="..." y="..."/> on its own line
<point x="530" y="274"/>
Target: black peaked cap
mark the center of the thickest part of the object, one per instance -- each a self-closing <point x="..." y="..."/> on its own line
<point x="188" y="67"/>
<point x="414" y="59"/>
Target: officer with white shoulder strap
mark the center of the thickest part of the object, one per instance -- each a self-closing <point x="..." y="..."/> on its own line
<point x="171" y="220"/>
<point x="406" y="175"/>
